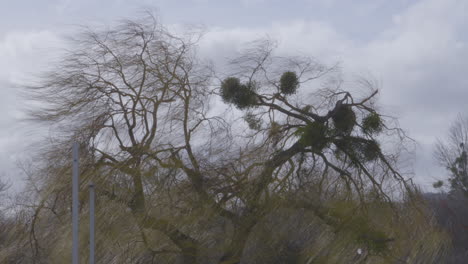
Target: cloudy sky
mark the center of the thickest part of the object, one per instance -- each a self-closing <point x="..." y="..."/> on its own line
<point x="416" y="49"/>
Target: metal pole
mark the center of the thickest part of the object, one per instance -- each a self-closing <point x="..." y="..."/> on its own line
<point x="91" y="223"/>
<point x="75" y="204"/>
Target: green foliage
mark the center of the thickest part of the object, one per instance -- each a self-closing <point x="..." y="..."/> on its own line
<point x="344" y="119"/>
<point x="340" y="210"/>
<point x="360" y="149"/>
<point x="289" y="83"/>
<point x="459" y="172"/>
<point x="313" y="134"/>
<point x="370" y="150"/>
<point x="372" y="123"/>
<point x="452" y="154"/>
<point x="361" y="228"/>
<point x="241" y="95"/>
<point x="374" y="240"/>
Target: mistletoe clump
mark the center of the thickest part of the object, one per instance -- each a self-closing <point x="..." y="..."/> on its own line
<point x="234" y="92"/>
<point x="289" y="83"/>
<point x="370" y="150"/>
<point x="313" y="134"/>
<point x="358" y="149"/>
<point x="372" y="123"/>
<point x="253" y="122"/>
<point x="344" y="119"/>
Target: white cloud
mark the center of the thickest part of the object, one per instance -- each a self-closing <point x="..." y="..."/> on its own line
<point x="22" y="55"/>
<point x="62" y="6"/>
<point x="313" y="38"/>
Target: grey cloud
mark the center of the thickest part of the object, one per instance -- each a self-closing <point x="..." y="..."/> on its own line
<point x="416" y="49"/>
<point x="420" y="59"/>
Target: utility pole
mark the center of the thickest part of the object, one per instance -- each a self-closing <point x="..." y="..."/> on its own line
<point x="75" y="204"/>
<point x="91" y="223"/>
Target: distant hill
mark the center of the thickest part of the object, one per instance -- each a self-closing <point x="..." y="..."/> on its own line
<point x="451" y="212"/>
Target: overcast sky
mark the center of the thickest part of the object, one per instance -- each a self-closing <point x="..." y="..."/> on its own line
<point x="417" y="50"/>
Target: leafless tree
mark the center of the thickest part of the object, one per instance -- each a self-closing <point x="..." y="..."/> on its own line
<point x="451" y="154"/>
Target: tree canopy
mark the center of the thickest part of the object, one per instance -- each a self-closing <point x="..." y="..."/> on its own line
<point x="451" y="153"/>
<point x="179" y="180"/>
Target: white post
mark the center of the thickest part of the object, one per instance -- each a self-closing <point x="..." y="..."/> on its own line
<point x="75" y="204"/>
<point x="91" y="223"/>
